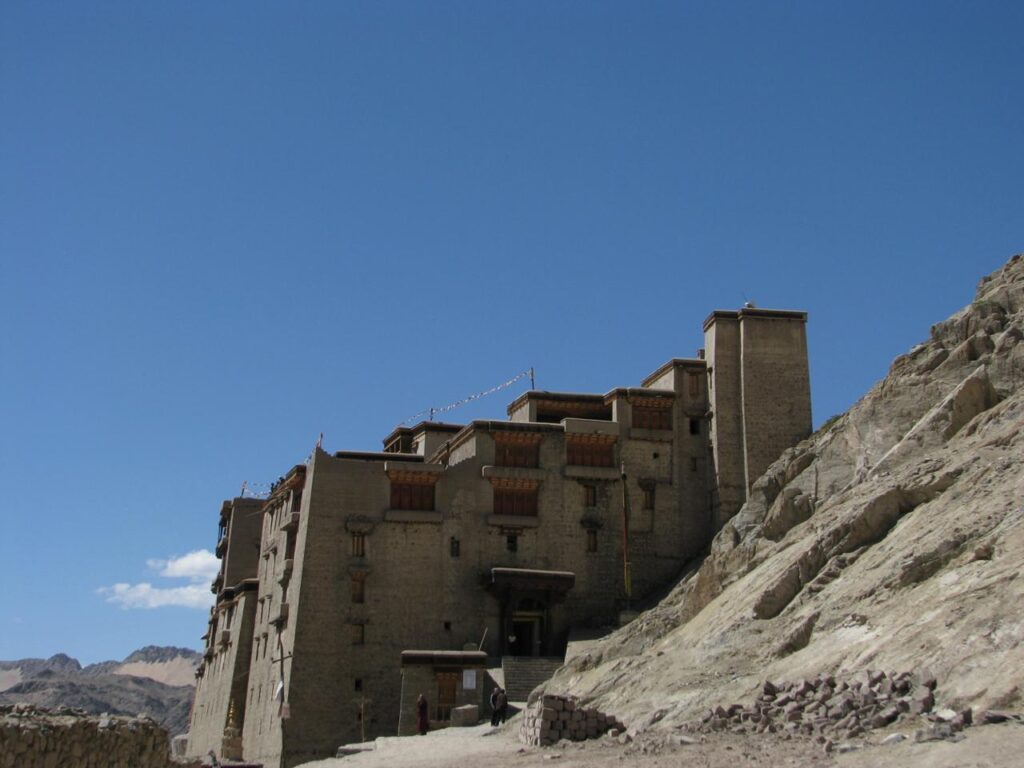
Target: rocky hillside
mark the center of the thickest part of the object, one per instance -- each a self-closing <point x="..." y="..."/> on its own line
<point x="892" y="539"/>
<point x="153" y="681"/>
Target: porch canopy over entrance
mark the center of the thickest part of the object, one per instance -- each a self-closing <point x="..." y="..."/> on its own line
<point x="526" y="596"/>
<point x="554" y="583"/>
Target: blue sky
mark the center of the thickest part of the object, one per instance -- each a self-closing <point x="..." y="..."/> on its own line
<point x="228" y="227"/>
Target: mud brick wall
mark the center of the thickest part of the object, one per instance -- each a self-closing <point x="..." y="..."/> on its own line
<point x="32" y="737"/>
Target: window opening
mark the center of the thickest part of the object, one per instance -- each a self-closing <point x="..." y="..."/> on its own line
<point x="358" y="545"/>
<point x="414" y="497"/>
<point x="516" y="450"/>
<point x="359" y="588"/>
<point x="515" y="501"/>
<point x="694" y="379"/>
<point x="582" y="453"/>
<point x="651" y="417"/>
<point x="589" y="495"/>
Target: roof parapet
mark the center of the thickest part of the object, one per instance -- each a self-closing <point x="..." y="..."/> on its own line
<point x="754" y="312"/>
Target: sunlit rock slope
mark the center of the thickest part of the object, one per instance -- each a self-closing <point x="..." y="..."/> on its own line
<point x="891" y="539"/>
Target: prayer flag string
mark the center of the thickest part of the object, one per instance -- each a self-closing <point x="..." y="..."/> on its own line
<point x="432" y="412"/>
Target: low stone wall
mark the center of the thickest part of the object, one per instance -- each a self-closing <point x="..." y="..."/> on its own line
<point x="33" y="737"/>
<point x="553" y="718"/>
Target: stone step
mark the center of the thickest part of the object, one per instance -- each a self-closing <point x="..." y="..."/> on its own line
<point x="524" y="673"/>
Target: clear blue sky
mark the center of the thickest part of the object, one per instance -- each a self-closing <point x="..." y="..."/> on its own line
<point x="226" y="227"/>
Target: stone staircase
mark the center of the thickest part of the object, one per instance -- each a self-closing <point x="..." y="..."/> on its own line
<point x="524" y="673"/>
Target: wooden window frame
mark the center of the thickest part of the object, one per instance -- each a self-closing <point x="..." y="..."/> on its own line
<point x="652" y="417"/>
<point x="516" y="497"/>
<point x="358" y="544"/>
<point x="517" y="449"/>
<point x="590" y="450"/>
<point x="412" y="491"/>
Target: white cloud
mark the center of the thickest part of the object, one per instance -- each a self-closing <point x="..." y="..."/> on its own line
<point x="145" y="595"/>
<point x="198" y="566"/>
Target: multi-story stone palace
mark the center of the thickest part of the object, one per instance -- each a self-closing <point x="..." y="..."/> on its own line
<point x="368" y="578"/>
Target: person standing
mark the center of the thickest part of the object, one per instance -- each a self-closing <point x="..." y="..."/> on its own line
<point x="422" y="718"/>
<point x="494" y="705"/>
<point x="502" y="701"/>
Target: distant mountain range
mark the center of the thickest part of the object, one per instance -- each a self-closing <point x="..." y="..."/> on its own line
<point x="156" y="681"/>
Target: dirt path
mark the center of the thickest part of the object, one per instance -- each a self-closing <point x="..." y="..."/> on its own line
<point x="994" y="746"/>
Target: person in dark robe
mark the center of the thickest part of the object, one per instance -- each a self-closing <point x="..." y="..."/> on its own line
<point x="502" y="702"/>
<point x="422" y="719"/>
<point x="494" y="705"/>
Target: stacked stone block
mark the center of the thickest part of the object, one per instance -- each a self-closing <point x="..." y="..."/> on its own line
<point x="827" y="707"/>
<point x="553" y="718"/>
<point x="33" y="737"/>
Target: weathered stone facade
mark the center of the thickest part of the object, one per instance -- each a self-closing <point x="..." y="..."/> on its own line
<point x="496" y="536"/>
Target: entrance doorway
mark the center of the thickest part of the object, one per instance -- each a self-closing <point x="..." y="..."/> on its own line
<point x="527" y="635"/>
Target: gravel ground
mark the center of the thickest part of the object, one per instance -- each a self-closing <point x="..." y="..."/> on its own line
<point x="992" y="746"/>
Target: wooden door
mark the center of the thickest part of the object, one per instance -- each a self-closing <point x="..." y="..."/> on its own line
<point x="446" y="686"/>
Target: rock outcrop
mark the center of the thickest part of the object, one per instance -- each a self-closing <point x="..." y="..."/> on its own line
<point x="891" y="539"/>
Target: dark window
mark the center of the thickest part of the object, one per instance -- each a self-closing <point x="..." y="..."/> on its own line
<point x="590" y="454"/>
<point x="591" y="540"/>
<point x="358" y="685"/>
<point x="454" y="547"/>
<point x="647" y="417"/>
<point x="359" y="588"/>
<point x="512" y="543"/>
<point x="649" y="497"/>
<point x="694" y="379"/>
<point x="512" y="452"/>
<point x="415" y="497"/>
<point x="358" y="545"/>
<point x="515" y="501"/>
<point x="358" y="634"/>
<point x="694" y="426"/>
<point x="589" y="495"/>
<point x="447" y="626"/>
<point x="693" y="464"/>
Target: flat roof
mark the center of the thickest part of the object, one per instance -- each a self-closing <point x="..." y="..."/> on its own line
<point x="377" y="456"/>
<point x="423" y="426"/>
<point x="567" y="397"/>
<point x="664" y="394"/>
<point x="675" y="362"/>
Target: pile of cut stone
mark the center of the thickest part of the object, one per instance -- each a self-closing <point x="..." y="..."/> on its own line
<point x="36" y="737"/>
<point x="826" y="706"/>
<point x="553" y="718"/>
